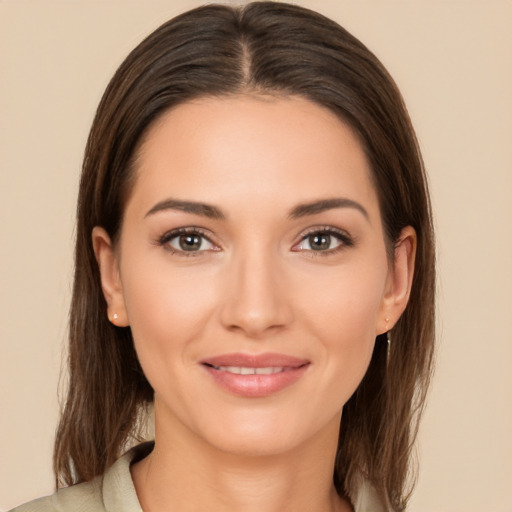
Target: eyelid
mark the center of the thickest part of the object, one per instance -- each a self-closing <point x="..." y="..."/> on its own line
<point x="345" y="238"/>
<point x="188" y="230"/>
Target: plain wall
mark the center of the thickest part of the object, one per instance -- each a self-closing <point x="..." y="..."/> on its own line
<point x="453" y="63"/>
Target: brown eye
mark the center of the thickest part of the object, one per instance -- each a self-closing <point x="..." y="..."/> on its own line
<point x="190" y="242"/>
<point x="324" y="241"/>
<point x="319" y="241"/>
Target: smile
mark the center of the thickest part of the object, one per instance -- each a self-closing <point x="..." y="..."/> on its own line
<point x="244" y="370"/>
<point x="255" y="376"/>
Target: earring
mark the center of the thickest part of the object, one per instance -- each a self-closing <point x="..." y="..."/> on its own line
<point x="111" y="319"/>
<point x="388" y="339"/>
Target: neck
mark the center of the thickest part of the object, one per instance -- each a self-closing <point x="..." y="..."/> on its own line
<point x="185" y="473"/>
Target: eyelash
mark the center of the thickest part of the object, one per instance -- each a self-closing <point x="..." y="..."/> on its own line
<point x="343" y="237"/>
<point x="170" y="235"/>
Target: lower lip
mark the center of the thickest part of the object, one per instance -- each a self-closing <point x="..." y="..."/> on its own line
<point x="256" y="386"/>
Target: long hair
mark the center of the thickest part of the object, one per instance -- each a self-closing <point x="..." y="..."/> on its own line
<point x="267" y="48"/>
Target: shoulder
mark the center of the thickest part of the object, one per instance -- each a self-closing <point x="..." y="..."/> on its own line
<point x="85" y="497"/>
<point x="112" y="492"/>
<point x="367" y="499"/>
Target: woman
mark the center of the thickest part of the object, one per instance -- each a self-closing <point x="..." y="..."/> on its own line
<point x="255" y="258"/>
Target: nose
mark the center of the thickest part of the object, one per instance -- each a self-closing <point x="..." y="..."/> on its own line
<point x="256" y="300"/>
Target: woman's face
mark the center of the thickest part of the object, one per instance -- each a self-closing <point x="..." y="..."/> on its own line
<point x="252" y="270"/>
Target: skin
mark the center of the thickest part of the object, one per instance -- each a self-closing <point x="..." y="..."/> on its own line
<point x="255" y="285"/>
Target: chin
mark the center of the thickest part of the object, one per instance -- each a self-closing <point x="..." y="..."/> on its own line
<point x="250" y="433"/>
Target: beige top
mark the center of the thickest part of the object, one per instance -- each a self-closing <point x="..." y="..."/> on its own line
<point x="114" y="492"/>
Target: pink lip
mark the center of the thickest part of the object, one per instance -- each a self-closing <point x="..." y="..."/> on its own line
<point x="256" y="385"/>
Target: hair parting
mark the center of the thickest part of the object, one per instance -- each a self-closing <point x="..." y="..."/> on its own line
<point x="262" y="48"/>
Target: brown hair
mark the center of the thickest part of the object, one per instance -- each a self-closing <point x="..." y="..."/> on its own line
<point x="271" y="48"/>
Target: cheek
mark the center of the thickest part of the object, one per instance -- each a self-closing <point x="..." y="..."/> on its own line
<point x="166" y="306"/>
<point x="167" y="310"/>
<point x="342" y="312"/>
<point x="345" y="304"/>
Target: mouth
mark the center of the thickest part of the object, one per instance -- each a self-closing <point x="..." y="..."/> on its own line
<point x="246" y="370"/>
<point x="255" y="376"/>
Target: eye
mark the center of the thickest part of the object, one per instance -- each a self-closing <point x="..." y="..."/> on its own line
<point x="186" y="240"/>
<point x="325" y="240"/>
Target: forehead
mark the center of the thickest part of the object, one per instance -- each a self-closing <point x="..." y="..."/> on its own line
<point x="253" y="147"/>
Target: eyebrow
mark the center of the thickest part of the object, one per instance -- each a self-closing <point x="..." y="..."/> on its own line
<point x="299" y="211"/>
<point x="203" y="209"/>
<point x="322" y="205"/>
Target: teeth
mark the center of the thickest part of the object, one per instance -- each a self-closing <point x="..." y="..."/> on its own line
<point x="267" y="371"/>
<point x="242" y="370"/>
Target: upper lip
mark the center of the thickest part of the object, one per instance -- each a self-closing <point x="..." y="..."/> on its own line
<point x="255" y="360"/>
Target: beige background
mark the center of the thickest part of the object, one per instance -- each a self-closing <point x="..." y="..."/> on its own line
<point x="453" y="62"/>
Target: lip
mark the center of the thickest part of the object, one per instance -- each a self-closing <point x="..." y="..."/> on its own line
<point x="290" y="369"/>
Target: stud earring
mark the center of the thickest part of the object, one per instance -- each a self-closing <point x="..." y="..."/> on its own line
<point x="115" y="316"/>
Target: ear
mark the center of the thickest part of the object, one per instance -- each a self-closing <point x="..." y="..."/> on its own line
<point x="110" y="277"/>
<point x="399" y="282"/>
